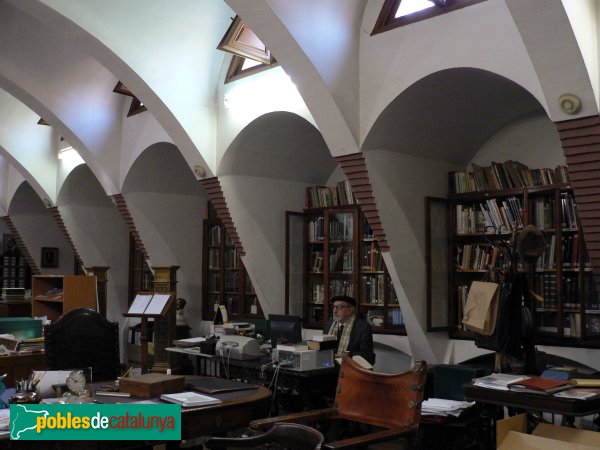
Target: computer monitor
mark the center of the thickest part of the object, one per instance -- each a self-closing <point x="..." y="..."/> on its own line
<point x="284" y="329"/>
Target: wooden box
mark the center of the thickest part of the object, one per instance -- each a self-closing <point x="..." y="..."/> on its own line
<point x="152" y="384"/>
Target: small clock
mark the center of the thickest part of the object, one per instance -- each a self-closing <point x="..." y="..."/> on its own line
<point x="76" y="382"/>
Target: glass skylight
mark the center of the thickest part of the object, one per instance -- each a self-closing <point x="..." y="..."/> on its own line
<point x="411" y="6"/>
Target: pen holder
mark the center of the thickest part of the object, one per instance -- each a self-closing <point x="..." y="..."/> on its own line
<point x="22" y="397"/>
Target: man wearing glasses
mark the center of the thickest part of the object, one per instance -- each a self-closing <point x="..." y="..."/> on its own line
<point x="354" y="334"/>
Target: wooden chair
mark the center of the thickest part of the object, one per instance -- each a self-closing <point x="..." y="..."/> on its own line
<point x="293" y="436"/>
<point x="83" y="338"/>
<point x="389" y="404"/>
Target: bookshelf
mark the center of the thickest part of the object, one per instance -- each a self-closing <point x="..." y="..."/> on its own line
<point x="225" y="279"/>
<point x="54" y="295"/>
<point x="503" y="198"/>
<point x="140" y="274"/>
<point x="15" y="270"/>
<point x="341" y="256"/>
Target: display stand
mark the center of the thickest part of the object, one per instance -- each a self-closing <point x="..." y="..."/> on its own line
<point x="149" y="305"/>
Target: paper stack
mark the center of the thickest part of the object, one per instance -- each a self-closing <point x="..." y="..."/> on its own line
<point x="443" y="407"/>
<point x="498" y="381"/>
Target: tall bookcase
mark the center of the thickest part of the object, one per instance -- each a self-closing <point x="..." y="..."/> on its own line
<point x="15" y="270"/>
<point x="140" y="274"/>
<point x="225" y="280"/>
<point x="567" y="311"/>
<point x="342" y="257"/>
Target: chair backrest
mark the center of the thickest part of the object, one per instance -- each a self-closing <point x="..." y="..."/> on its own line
<point x="288" y="435"/>
<point x="83" y="338"/>
<point x="296" y="436"/>
<point x="386" y="400"/>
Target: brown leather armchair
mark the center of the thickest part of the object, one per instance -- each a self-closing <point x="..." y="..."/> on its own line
<point x="387" y="405"/>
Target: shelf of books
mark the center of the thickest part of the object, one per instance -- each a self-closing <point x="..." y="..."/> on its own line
<point x="225" y="279"/>
<point x="343" y="258"/>
<point x="493" y="203"/>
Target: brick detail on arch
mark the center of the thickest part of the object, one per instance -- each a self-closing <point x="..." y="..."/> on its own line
<point x="212" y="186"/>
<point x="121" y="204"/>
<point x="21" y="246"/>
<point x="580" y="140"/>
<point x="55" y="213"/>
<point x="355" y="169"/>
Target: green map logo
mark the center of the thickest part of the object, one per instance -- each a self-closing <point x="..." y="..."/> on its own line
<point x="95" y="422"/>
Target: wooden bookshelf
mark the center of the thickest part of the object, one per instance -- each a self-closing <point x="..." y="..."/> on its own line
<point x="569" y="312"/>
<point x="54" y="295"/>
<point x="341" y="257"/>
<point x="225" y="280"/>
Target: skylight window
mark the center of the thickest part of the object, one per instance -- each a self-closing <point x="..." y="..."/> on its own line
<point x="397" y="13"/>
<point x="410" y="6"/>
<point x="250" y="54"/>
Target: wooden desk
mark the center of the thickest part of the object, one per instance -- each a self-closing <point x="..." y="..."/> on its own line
<point x="18" y="367"/>
<point x="494" y="400"/>
<point x="237" y="410"/>
<point x="533" y="402"/>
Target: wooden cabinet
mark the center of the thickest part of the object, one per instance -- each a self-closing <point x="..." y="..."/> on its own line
<point x="19" y="367"/>
<point x="225" y="280"/>
<point x="54" y="295"/>
<point x="481" y="223"/>
<point x="343" y="258"/>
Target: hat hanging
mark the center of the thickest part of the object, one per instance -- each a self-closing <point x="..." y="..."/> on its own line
<point x="531" y="243"/>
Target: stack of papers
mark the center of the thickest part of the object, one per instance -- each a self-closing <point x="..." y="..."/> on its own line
<point x="190" y="399"/>
<point x="443" y="407"/>
<point x="498" y="381"/>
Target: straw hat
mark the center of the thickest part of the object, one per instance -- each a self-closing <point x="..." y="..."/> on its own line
<point x="531" y="243"/>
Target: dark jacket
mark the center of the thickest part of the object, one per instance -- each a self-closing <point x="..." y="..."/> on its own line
<point x="361" y="339"/>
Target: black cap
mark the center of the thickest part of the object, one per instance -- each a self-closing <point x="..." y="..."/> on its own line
<point x="343" y="298"/>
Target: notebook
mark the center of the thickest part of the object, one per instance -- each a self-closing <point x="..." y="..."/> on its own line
<point x="190" y="399"/>
<point x="213" y="385"/>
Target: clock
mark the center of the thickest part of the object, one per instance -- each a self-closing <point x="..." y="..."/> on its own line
<point x="76" y="382"/>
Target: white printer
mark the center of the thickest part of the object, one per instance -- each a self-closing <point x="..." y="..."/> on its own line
<point x="238" y="347"/>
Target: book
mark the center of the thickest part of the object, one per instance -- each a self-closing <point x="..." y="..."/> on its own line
<point x="188" y="399"/>
<point x="323" y="337"/>
<point x="499" y="381"/>
<point x="539" y="385"/>
<point x="585" y="382"/>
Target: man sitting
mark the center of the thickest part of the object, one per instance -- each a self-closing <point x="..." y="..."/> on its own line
<point x="354" y="334"/>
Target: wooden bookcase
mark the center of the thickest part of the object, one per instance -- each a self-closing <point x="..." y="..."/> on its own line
<point x="569" y="313"/>
<point x="224" y="277"/>
<point x="54" y="295"/>
<point x="341" y="256"/>
<point x="15" y="272"/>
<point x="140" y="275"/>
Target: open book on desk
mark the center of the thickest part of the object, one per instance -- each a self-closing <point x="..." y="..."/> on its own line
<point x="188" y="399"/>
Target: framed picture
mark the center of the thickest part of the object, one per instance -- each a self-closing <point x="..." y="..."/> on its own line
<point x="49" y="257"/>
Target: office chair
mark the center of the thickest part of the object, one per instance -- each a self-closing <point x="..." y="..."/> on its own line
<point x="83" y="338"/>
<point x="376" y="406"/>
<point x="292" y="436"/>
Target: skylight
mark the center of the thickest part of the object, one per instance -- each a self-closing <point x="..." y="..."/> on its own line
<point x="411" y="6"/>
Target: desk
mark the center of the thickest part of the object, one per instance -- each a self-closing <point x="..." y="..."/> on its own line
<point x="237" y="410"/>
<point x="310" y="385"/>
<point x="525" y="401"/>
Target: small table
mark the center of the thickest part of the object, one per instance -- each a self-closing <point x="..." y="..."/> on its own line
<point x="527" y="401"/>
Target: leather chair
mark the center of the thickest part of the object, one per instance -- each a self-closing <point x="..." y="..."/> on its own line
<point x="382" y="406"/>
<point x="83" y="338"/>
<point x="293" y="436"/>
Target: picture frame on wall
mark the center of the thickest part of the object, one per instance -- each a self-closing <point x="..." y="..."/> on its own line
<point x="49" y="257"/>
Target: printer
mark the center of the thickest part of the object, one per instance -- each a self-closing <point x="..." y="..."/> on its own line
<point x="238" y="347"/>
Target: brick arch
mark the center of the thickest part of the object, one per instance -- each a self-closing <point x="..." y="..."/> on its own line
<point x="580" y="140"/>
<point x="21" y="245"/>
<point x="355" y="169"/>
<point x="212" y="186"/>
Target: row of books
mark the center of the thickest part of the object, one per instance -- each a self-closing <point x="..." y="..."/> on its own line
<point x="508" y="175"/>
<point x="372" y="289"/>
<point x="341" y="228"/>
<point x="490" y="215"/>
<point x="479" y="257"/>
<point x="341" y="287"/>
<point x="327" y="197"/>
<point x="214" y="235"/>
<point x="371" y="258"/>
<point x="569" y="211"/>
<point x="316" y="293"/>
<point x="13" y="294"/>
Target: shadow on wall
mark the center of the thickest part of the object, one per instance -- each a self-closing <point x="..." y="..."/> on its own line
<point x="390" y="360"/>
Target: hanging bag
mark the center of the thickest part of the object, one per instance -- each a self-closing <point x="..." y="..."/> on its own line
<point x="481" y="309"/>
